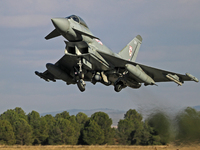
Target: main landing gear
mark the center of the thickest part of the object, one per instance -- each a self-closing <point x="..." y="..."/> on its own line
<point x="118" y="87"/>
<point x="81" y="83"/>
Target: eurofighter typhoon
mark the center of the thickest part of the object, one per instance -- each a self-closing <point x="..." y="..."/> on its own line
<point x="86" y="58"/>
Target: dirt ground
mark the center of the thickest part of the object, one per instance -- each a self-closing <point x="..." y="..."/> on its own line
<point x="104" y="147"/>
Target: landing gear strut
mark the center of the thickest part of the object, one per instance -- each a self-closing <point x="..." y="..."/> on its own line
<point x="81" y="83"/>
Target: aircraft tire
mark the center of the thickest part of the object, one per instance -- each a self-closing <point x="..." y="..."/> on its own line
<point x="118" y="87"/>
<point x="81" y="85"/>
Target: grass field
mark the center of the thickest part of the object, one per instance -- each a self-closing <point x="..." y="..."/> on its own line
<point x="68" y="147"/>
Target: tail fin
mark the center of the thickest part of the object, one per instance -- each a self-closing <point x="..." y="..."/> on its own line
<point x="130" y="51"/>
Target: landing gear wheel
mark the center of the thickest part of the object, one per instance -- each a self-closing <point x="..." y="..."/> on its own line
<point x="81" y="85"/>
<point x="118" y="87"/>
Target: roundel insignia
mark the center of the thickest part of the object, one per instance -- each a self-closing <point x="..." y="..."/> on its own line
<point x="98" y="41"/>
<point x="130" y="50"/>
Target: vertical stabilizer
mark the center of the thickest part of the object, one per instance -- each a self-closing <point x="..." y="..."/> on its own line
<point x="130" y="51"/>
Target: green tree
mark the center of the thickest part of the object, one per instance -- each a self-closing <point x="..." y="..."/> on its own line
<point x="64" y="131"/>
<point x="103" y="120"/>
<point x="130" y="130"/>
<point x="50" y="120"/>
<point x="43" y="130"/>
<point x="188" y="123"/>
<point x="149" y="135"/>
<point x="21" y="113"/>
<point x="81" y="119"/>
<point x="68" y="132"/>
<point x="133" y="115"/>
<point x="64" y="115"/>
<point x="10" y="115"/>
<point x="55" y="136"/>
<point x="146" y="134"/>
<point x="93" y="134"/>
<point x="39" y="126"/>
<point x="77" y="128"/>
<point x="23" y="132"/>
<point x="6" y="133"/>
<point x="161" y="126"/>
<point x="73" y="126"/>
<point x="125" y="129"/>
<point x="136" y="118"/>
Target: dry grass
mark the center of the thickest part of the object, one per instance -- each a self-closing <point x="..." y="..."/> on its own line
<point x="105" y="147"/>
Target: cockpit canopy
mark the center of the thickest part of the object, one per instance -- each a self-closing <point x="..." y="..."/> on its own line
<point x="78" y="19"/>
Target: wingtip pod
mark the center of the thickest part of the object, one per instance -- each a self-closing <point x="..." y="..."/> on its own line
<point x="192" y="77"/>
<point x="139" y="37"/>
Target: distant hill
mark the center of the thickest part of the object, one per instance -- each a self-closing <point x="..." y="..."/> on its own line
<point x="197" y="107"/>
<point x="115" y="115"/>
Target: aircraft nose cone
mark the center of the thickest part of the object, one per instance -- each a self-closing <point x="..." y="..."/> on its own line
<point x="62" y="24"/>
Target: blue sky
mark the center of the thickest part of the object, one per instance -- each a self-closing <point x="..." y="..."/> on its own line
<point x="171" y="41"/>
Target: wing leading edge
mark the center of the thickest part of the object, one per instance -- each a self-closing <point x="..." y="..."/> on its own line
<point x="157" y="75"/>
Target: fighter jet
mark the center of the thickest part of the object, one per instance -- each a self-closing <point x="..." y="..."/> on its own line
<point x="86" y="58"/>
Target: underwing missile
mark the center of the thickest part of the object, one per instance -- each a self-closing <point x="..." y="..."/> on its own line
<point x="174" y="78"/>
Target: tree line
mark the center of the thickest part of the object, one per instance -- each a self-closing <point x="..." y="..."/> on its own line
<point x="158" y="129"/>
